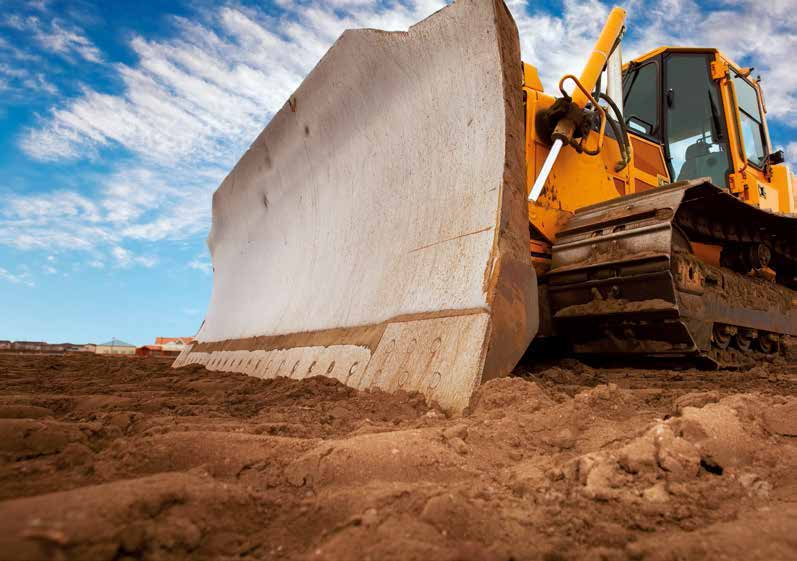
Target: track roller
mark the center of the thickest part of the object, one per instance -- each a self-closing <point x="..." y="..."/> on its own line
<point x="768" y="342"/>
<point x="722" y="335"/>
<point x="744" y="338"/>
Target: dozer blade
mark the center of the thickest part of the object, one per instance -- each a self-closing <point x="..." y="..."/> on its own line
<point x="376" y="231"/>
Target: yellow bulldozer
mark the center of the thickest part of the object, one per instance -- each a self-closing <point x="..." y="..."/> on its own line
<point x="421" y="209"/>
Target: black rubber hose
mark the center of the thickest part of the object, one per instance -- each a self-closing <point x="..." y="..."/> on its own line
<point x="622" y="134"/>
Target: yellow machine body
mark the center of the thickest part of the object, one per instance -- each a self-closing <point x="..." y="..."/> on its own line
<point x="674" y="235"/>
<point x="578" y="180"/>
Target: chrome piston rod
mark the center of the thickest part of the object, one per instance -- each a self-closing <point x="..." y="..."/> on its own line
<point x="539" y="183"/>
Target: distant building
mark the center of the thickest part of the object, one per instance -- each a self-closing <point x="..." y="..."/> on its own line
<point x="62" y="348"/>
<point x="115" y="347"/>
<point x="28" y="345"/>
<point x="156" y="351"/>
<point x="165" y="346"/>
<point x="39" y="347"/>
<point x="174" y="347"/>
<point x="88" y="348"/>
<point x="58" y="347"/>
<point x="173" y="344"/>
<point x="174" y="341"/>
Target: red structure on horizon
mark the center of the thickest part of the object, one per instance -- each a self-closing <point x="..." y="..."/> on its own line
<point x="165" y="340"/>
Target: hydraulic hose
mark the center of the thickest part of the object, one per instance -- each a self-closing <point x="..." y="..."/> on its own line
<point x="621" y="134"/>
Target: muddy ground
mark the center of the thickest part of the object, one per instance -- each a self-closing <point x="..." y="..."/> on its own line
<point x="122" y="458"/>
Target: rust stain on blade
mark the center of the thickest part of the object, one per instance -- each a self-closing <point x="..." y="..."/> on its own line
<point x="367" y="336"/>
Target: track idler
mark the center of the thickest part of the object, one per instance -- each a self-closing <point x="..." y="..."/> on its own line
<point x="744" y="258"/>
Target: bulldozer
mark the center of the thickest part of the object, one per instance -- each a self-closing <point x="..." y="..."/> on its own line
<point x="420" y="210"/>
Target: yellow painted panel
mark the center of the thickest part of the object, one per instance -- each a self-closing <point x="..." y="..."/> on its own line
<point x="782" y="182"/>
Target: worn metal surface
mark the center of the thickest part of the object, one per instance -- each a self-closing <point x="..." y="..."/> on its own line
<point x="711" y="214"/>
<point x="376" y="231"/>
<point x="624" y="280"/>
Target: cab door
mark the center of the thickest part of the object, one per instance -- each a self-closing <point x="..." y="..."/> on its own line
<point x="694" y="132"/>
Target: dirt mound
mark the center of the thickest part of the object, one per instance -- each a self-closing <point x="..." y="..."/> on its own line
<point x="115" y="458"/>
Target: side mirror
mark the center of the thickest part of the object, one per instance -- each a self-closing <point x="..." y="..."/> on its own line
<point x="775" y="158"/>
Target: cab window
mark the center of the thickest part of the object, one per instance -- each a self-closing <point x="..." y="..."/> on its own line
<point x="640" y="99"/>
<point x="751" y="120"/>
<point x="696" y="142"/>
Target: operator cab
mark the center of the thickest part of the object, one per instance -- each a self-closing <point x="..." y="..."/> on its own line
<point x="686" y="100"/>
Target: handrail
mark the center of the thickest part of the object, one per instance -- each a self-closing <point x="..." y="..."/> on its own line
<point x="601" y="111"/>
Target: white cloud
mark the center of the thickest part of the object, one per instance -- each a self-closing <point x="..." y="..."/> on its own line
<point x="40" y="83"/>
<point x="147" y="261"/>
<point x="126" y="258"/>
<point x="56" y="37"/>
<point x="558" y="44"/>
<point x="39" y="5"/>
<point x="18" y="278"/>
<point x="122" y="255"/>
<point x="138" y="204"/>
<point x="201" y="264"/>
<point x="791" y="153"/>
<point x="189" y="109"/>
<point x="36" y="50"/>
<point x="20" y="81"/>
<point x="205" y="94"/>
<point x="191" y="104"/>
<point x="62" y="204"/>
<point x="60" y="220"/>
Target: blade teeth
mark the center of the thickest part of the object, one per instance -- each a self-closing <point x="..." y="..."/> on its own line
<point x="416" y="355"/>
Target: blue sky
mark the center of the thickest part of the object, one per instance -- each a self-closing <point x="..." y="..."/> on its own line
<point x="119" y="119"/>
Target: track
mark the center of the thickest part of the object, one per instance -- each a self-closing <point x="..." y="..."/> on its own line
<point x="625" y="280"/>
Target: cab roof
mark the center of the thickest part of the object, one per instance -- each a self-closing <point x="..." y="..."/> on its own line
<point x="706" y="50"/>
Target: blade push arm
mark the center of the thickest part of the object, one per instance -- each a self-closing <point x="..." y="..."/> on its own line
<point x="567" y="126"/>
